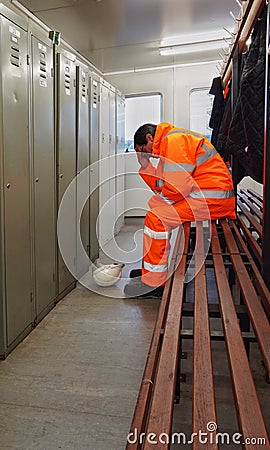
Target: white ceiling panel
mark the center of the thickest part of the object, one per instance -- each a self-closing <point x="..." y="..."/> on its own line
<point x="126" y="34"/>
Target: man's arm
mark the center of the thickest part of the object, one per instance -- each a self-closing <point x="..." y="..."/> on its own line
<point x="147" y="171"/>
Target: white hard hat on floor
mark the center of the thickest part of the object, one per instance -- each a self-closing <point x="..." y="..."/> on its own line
<point x="108" y="274"/>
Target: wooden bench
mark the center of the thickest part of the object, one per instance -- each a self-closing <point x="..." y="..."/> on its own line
<point x="250" y="220"/>
<point x="230" y="259"/>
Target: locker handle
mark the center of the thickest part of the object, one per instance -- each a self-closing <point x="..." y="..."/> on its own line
<point x="37" y="180"/>
<point x="8" y="185"/>
<point x="61" y="175"/>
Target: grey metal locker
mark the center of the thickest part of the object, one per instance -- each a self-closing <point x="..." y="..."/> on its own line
<point x="112" y="143"/>
<point x="83" y="187"/>
<point x="94" y="83"/>
<point x="66" y="161"/>
<point x="105" y="217"/>
<point x="43" y="174"/>
<point x="16" y="296"/>
<point x="120" y="159"/>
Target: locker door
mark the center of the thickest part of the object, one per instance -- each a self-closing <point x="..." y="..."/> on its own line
<point x="43" y="175"/>
<point x="105" y="217"/>
<point x="120" y="161"/>
<point x="66" y="157"/>
<point x="94" y="171"/>
<point x="82" y="163"/>
<point x="112" y="205"/>
<point x="16" y="179"/>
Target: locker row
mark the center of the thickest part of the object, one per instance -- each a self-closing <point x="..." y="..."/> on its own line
<point x="58" y="119"/>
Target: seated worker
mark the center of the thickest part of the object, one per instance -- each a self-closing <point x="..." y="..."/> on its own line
<point x="191" y="182"/>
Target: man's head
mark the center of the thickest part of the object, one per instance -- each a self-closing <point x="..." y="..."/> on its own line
<point x="143" y="138"/>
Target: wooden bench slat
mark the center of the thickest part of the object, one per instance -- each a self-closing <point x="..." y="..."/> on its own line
<point x="161" y="411"/>
<point x="244" y="389"/>
<point x="253" y="199"/>
<point x="254" y="223"/>
<point x="256" y="249"/>
<point x="256" y="312"/>
<point x="253" y="208"/>
<point x="143" y="401"/>
<point x="256" y="195"/>
<point x="260" y="284"/>
<point x="204" y="408"/>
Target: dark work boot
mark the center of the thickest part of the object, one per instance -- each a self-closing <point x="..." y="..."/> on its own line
<point x="136" y="288"/>
<point x="135" y="273"/>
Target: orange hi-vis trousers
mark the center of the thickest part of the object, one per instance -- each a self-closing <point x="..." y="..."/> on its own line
<point x="159" y="222"/>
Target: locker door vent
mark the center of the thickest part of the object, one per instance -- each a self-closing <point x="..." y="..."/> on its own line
<point x="42" y="65"/>
<point x="84" y="88"/>
<point x="94" y="94"/>
<point x="14" y="50"/>
<point x="67" y="78"/>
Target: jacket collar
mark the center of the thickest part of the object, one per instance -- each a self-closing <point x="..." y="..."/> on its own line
<point x="162" y="129"/>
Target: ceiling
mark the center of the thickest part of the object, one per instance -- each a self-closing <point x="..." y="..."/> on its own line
<point x="118" y="35"/>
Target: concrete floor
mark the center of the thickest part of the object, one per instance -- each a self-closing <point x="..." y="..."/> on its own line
<point x="73" y="382"/>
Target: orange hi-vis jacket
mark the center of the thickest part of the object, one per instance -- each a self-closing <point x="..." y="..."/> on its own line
<point x="191" y="182"/>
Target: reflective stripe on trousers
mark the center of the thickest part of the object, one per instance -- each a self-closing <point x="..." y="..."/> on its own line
<point x="156" y="247"/>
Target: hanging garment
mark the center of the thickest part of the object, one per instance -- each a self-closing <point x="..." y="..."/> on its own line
<point x="224" y="130"/>
<point x="246" y="132"/>
<point x="217" y="109"/>
<point x="191" y="182"/>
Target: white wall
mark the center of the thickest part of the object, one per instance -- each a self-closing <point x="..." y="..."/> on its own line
<point x="174" y="84"/>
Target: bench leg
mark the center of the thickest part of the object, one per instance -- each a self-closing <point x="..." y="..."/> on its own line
<point x="244" y="323"/>
<point x="180" y="377"/>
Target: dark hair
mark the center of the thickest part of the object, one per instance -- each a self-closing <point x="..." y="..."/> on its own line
<point x="140" y="135"/>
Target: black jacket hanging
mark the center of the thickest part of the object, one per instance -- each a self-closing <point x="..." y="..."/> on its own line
<point x="246" y="132"/>
<point x="217" y="109"/>
<point x="224" y="129"/>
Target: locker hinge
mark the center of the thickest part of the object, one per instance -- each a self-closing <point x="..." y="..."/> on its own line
<point x="74" y="82"/>
<point x="53" y="276"/>
<point x="52" y="72"/>
<point x="28" y="60"/>
<point x="31" y="297"/>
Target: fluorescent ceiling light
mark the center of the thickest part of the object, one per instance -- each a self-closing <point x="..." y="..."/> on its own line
<point x="157" y="68"/>
<point x="193" y="47"/>
<point x="214" y="35"/>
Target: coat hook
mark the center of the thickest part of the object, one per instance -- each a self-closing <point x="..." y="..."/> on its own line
<point x="222" y="56"/>
<point x="226" y="53"/>
<point x="220" y="65"/>
<point x="231" y="33"/>
<point x="239" y="3"/>
<point x="236" y="19"/>
<point x="227" y="41"/>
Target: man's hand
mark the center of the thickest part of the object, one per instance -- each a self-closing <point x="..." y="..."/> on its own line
<point x="143" y="159"/>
